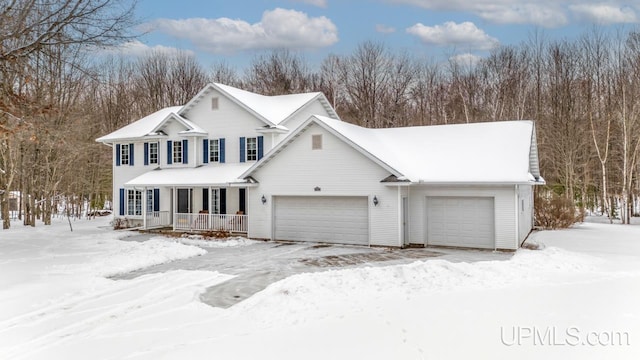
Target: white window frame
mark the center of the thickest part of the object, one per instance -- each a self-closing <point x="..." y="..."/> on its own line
<point x="149" y="201"/>
<point x="134" y="202"/>
<point x="176" y="151"/>
<point x="251" y="153"/>
<point x="214" y="201"/>
<point x="154" y="153"/>
<point x="214" y="150"/>
<point x="124" y="154"/>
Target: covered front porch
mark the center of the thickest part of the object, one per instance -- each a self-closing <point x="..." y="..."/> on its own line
<point x="208" y="198"/>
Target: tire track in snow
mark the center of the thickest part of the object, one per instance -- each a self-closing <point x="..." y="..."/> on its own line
<point x="105" y="315"/>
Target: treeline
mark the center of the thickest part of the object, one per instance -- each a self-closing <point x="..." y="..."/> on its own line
<point x="60" y="93"/>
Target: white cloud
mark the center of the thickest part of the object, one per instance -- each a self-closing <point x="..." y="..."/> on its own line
<point x="545" y="13"/>
<point x="466" y="59"/>
<point x="137" y="48"/>
<point x="384" y="29"/>
<point x="318" y="3"/>
<point x="604" y="13"/>
<point x="450" y="33"/>
<point x="279" y="28"/>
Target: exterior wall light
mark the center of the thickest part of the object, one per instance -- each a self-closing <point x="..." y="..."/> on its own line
<point x="375" y="201"/>
<point x="263" y="199"/>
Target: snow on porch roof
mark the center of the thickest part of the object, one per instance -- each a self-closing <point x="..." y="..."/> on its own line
<point x="207" y="175"/>
<point x="488" y="152"/>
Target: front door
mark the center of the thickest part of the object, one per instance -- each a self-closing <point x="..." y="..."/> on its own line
<point x="184" y="201"/>
<point x="242" y="201"/>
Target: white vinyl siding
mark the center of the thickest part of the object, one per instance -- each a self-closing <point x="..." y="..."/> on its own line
<point x="525" y="209"/>
<point x="337" y="170"/>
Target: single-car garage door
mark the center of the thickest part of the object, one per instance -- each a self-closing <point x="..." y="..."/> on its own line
<point x="461" y="221"/>
<point x="331" y="219"/>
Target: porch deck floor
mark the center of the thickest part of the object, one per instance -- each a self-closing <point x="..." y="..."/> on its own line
<point x="258" y="265"/>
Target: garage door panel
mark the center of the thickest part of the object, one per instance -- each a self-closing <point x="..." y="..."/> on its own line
<point x="460" y="221"/>
<point x="322" y="219"/>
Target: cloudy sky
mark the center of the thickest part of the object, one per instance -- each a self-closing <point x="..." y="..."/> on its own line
<point x="236" y="30"/>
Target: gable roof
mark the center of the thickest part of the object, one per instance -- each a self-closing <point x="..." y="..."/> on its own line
<point x="273" y="110"/>
<point x="150" y="124"/>
<point x="490" y="152"/>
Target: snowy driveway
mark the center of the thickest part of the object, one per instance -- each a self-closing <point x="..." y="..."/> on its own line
<point x="258" y="264"/>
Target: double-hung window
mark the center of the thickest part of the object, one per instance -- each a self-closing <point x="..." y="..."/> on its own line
<point x="134" y="202"/>
<point x="124" y="154"/>
<point x="252" y="149"/>
<point x="150" y="201"/>
<point x="177" y="152"/>
<point x="214" y="150"/>
<point x="153" y="153"/>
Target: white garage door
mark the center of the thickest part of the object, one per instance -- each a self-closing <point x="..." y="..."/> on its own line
<point x="342" y="220"/>
<point x="461" y="221"/>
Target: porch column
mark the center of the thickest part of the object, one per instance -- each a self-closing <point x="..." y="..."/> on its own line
<point x="144" y="207"/>
<point x="173" y="210"/>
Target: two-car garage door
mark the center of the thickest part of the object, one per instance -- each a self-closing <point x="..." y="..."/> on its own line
<point x="331" y="219"/>
<point x="461" y="221"/>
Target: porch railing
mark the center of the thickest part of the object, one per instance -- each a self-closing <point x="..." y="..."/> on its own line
<point x="158" y="219"/>
<point x="225" y="222"/>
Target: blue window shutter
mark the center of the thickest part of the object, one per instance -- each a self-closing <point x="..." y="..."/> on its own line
<point x="121" y="202"/>
<point x="242" y="156"/>
<point x="156" y="199"/>
<point x="185" y="151"/>
<point x="221" y="150"/>
<point x="169" y="153"/>
<point x="117" y="154"/>
<point x="205" y="199"/>
<point x="205" y="151"/>
<point x="223" y="201"/>
<point x="146" y="153"/>
<point x="260" y="147"/>
<point x="130" y="154"/>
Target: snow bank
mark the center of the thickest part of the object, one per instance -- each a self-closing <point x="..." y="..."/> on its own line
<point x="312" y="296"/>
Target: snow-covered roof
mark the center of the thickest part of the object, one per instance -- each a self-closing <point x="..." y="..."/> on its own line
<point x="489" y="152"/>
<point x="212" y="174"/>
<point x="150" y="124"/>
<point x="272" y="109"/>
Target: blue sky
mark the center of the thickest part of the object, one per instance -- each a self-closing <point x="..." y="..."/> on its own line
<point x="236" y="31"/>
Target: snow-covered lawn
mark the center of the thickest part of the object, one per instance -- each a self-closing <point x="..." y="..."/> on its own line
<point x="578" y="297"/>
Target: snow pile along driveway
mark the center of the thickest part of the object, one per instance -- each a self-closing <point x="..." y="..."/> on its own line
<point x="575" y="298"/>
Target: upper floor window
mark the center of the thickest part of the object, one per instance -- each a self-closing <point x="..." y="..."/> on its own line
<point x="177" y="151"/>
<point x="214" y="103"/>
<point x="153" y="153"/>
<point x="252" y="149"/>
<point x="124" y="154"/>
<point x="214" y="150"/>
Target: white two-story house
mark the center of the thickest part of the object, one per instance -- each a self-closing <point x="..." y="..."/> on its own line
<point x="180" y="166"/>
<point x="286" y="168"/>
